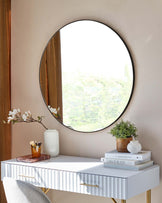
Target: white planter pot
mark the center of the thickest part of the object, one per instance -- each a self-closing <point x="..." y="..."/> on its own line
<point x="51" y="142"/>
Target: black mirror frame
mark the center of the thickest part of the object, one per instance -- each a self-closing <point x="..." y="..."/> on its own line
<point x="133" y="72"/>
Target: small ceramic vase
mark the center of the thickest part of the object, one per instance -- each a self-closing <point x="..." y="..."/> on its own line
<point x="51" y="142"/>
<point x="134" y="146"/>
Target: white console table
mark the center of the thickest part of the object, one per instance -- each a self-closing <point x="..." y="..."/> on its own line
<point x="84" y="175"/>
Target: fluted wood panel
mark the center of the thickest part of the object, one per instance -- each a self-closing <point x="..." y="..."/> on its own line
<point x="5" y="37"/>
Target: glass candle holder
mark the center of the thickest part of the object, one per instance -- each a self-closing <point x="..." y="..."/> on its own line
<point x="36" y="149"/>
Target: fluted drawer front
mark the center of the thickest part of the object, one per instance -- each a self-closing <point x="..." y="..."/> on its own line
<point x="103" y="186"/>
<point x="18" y="172"/>
<point x="68" y="181"/>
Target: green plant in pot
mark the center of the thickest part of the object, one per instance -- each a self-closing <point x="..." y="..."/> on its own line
<point x="123" y="131"/>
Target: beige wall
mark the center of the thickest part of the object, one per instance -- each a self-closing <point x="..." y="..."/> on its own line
<point x="140" y="24"/>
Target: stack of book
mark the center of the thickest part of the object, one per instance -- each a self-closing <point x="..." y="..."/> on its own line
<point x="115" y="159"/>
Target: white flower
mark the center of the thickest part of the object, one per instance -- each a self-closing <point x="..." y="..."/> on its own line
<point x="13" y="116"/>
<point x="24" y="117"/>
<point x="53" y="110"/>
<point x="29" y="114"/>
<point x="10" y="113"/>
<point x="9" y="119"/>
<point x="15" y="113"/>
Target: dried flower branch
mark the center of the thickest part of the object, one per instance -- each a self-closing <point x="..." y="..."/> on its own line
<point x="15" y="116"/>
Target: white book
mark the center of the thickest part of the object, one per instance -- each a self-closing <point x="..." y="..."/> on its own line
<point x="129" y="167"/>
<point x="123" y="161"/>
<point x="143" y="155"/>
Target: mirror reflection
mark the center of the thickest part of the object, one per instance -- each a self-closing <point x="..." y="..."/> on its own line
<point x="86" y="76"/>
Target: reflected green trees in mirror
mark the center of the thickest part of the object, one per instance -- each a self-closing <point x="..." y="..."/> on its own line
<point x="96" y="98"/>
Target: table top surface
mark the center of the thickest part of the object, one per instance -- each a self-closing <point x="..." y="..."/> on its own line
<point x="80" y="165"/>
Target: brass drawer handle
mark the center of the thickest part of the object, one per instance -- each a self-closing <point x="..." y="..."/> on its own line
<point x="27" y="176"/>
<point x="85" y="184"/>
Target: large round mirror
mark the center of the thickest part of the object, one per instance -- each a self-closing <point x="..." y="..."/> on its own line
<point x="86" y="76"/>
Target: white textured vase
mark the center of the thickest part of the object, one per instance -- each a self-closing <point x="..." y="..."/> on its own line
<point x="51" y="142"/>
<point x="134" y="146"/>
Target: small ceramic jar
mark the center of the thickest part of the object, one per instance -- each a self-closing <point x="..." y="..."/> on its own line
<point x="51" y="142"/>
<point x="134" y="146"/>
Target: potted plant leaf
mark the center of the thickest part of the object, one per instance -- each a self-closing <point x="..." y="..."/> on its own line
<point x="123" y="131"/>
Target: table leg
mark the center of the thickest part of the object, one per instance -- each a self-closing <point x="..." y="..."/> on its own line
<point x="123" y="201"/>
<point x="148" y="196"/>
<point x="113" y="200"/>
<point x="45" y="190"/>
